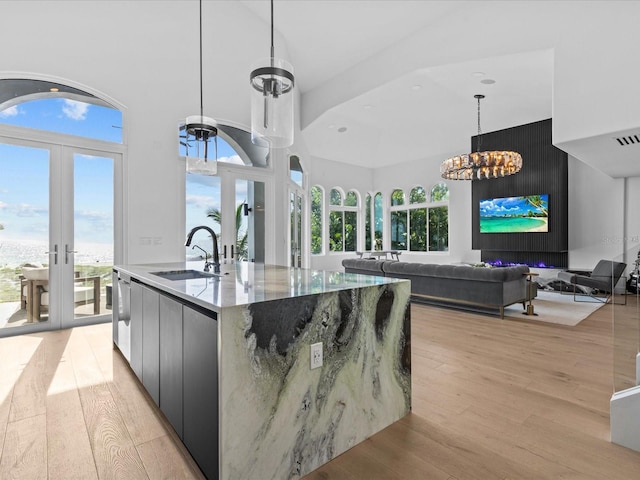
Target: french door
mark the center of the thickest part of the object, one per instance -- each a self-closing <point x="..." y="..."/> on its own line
<point x="296" y="209"/>
<point x="56" y="235"/>
<point x="238" y="207"/>
<point x="86" y="248"/>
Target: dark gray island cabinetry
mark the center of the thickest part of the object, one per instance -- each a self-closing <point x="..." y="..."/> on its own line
<point x="227" y="359"/>
<point x="178" y="367"/>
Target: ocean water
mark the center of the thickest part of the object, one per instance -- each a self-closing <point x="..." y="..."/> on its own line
<point x="14" y="253"/>
<point x="510" y="225"/>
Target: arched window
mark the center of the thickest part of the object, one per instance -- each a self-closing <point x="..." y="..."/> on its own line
<point x="373" y="222"/>
<point x="295" y="170"/>
<point x="397" y="198"/>
<point x="335" y="197"/>
<point x="439" y="218"/>
<point x="378" y="220"/>
<point x="351" y="200"/>
<point x="399" y="223"/>
<point x="58" y="108"/>
<point x="231" y="145"/>
<point x="418" y="195"/>
<point x="343" y="221"/>
<point x="317" y="196"/>
<point x="440" y="193"/>
<point x="297" y="212"/>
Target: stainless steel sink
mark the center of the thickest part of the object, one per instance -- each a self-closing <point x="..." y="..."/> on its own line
<point x="185" y="274"/>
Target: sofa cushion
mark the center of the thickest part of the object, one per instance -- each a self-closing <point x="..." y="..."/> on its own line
<point x="364" y="265"/>
<point x="461" y="272"/>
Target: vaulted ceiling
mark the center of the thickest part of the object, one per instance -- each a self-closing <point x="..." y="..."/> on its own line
<point x="387" y="82"/>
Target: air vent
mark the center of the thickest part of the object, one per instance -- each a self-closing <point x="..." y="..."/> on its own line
<point x="628" y="140"/>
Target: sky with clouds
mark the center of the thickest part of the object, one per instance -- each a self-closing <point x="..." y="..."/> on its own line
<point x="24" y="205"/>
<point x="24" y="172"/>
<point x="500" y="207"/>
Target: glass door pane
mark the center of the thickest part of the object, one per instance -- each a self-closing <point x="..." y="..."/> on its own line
<point x="24" y="235"/>
<point x="91" y="250"/>
<point x="295" y="227"/>
<point x="248" y="210"/>
<point x="203" y="202"/>
<point x="241" y="212"/>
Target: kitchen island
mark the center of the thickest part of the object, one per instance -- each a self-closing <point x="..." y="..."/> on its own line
<point x="227" y="358"/>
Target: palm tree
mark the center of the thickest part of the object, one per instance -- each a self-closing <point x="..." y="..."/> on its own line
<point x="536" y="201"/>
<point x="242" y="238"/>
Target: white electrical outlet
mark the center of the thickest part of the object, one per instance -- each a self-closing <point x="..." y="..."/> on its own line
<point x="316" y="355"/>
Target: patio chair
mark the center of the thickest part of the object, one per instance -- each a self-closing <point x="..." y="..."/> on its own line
<point x="35" y="292"/>
<point x="601" y="280"/>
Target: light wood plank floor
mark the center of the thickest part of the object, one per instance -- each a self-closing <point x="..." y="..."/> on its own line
<point x="70" y="408"/>
<point x="492" y="399"/>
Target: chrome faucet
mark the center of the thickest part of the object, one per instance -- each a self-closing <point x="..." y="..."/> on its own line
<point x="216" y="255"/>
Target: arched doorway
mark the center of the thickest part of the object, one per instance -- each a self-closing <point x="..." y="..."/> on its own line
<point x="61" y="158"/>
<point x="232" y="194"/>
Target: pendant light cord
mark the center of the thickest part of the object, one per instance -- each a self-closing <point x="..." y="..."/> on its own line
<point x="272" y="47"/>
<point x="201" y="102"/>
<point x="479" y="130"/>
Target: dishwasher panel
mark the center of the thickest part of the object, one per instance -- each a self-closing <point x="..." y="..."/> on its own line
<point x="122" y="313"/>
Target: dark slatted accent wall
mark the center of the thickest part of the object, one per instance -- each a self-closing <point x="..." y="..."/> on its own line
<point x="544" y="171"/>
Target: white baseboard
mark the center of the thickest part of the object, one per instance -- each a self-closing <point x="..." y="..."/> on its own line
<point x="625" y="418"/>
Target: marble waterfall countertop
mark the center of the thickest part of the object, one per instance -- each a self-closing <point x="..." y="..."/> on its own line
<point x="244" y="283"/>
<point x="277" y="417"/>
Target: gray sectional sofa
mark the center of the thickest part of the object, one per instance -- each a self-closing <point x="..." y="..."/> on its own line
<point x="462" y="285"/>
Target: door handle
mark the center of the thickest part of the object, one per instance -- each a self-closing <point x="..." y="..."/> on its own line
<point x="224" y="252"/>
<point x="67" y="252"/>
<point x="232" y="256"/>
<point x="54" y="253"/>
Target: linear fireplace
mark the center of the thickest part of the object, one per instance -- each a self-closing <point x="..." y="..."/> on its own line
<point x="531" y="259"/>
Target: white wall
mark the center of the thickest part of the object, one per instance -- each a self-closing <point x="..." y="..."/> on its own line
<point x="596" y="216"/>
<point x="592" y="94"/>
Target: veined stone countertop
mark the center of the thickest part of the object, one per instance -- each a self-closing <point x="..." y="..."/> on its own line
<point x="244" y="283"/>
<point x="277" y="417"/>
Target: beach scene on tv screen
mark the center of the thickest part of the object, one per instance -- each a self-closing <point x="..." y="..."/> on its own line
<point x="515" y="214"/>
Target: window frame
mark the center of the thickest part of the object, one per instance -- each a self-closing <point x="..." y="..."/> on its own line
<point x="344" y="209"/>
<point x="407" y="207"/>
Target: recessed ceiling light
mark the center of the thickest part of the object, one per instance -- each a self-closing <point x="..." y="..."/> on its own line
<point x="342" y="129"/>
<point x="367" y="107"/>
<point x="488" y="81"/>
<point x="54" y="89"/>
<point x="478" y="74"/>
<point x="416" y="87"/>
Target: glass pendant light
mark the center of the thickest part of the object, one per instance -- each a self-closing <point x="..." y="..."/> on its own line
<point x="198" y="130"/>
<point x="272" y="83"/>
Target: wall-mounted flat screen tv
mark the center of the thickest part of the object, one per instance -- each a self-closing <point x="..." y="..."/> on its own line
<point x="515" y="214"/>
